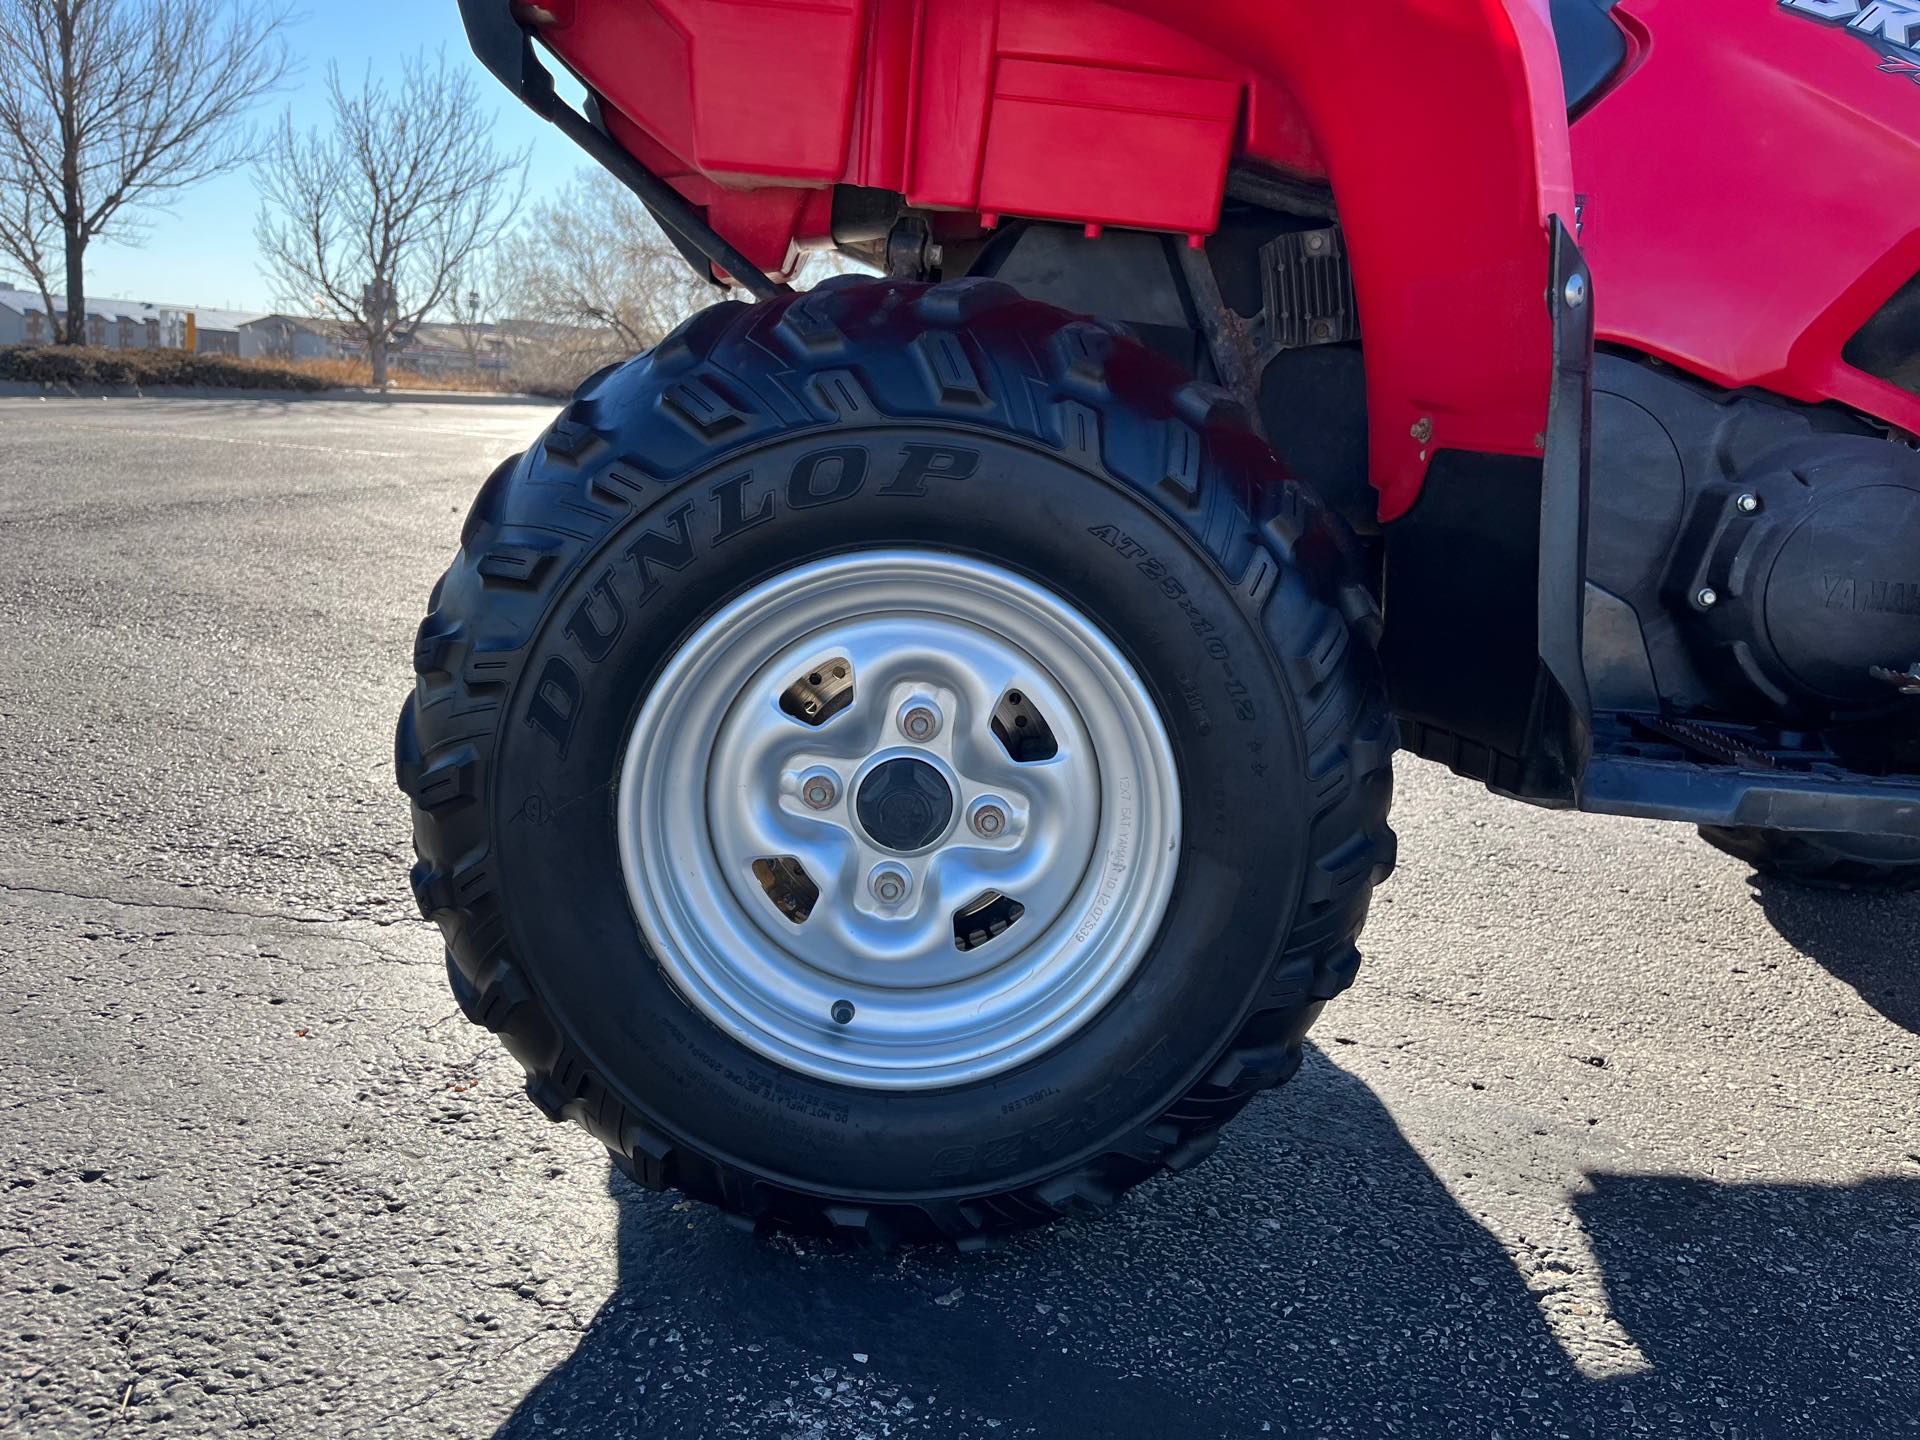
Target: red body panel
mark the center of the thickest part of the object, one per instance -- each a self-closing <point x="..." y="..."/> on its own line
<point x="1751" y="193"/>
<point x="1440" y="124"/>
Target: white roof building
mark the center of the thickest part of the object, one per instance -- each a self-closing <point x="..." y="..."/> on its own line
<point x="112" y="324"/>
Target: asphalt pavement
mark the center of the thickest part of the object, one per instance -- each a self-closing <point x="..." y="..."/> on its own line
<point x="1609" y="1139"/>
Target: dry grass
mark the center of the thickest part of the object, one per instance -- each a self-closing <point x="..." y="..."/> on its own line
<point x="359" y="371"/>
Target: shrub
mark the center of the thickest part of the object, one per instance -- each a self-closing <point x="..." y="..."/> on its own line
<point x="81" y="366"/>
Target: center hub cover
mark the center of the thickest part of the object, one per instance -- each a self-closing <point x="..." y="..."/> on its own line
<point x="904" y="804"/>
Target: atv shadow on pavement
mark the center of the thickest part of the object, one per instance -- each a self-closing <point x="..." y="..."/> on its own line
<point x="1769" y="1309"/>
<point x="1871" y="942"/>
<point x="1316" y="1277"/>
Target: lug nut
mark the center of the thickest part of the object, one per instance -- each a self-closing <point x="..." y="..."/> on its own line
<point x="842" y="1012"/>
<point x="889" y="884"/>
<point x="920" y="722"/>
<point x="1707" y="598"/>
<point x="989" y="822"/>
<point x="1748" y="504"/>
<point x="818" y="792"/>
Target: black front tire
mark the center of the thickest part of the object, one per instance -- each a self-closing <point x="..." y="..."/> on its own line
<point x="1884" y="863"/>
<point x="1100" y="472"/>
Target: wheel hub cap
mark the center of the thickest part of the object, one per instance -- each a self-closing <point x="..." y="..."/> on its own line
<point x="904" y="804"/>
<point x="899" y="819"/>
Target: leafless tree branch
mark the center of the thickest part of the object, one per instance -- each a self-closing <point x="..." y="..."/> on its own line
<point x="589" y="279"/>
<point x="28" y="231"/>
<point x="111" y="107"/>
<point x="596" y="277"/>
<point x="375" y="221"/>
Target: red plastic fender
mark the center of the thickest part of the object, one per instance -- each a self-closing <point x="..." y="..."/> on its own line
<point x="1440" y="123"/>
<point x="1443" y="128"/>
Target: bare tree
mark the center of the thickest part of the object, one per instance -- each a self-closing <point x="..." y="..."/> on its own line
<point x="27" y="235"/>
<point x="375" y="222"/>
<point x="594" y="278"/>
<point x="109" y="106"/>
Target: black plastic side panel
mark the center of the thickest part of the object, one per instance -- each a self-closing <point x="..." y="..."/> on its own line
<point x="1126" y="276"/>
<point x="1592" y="48"/>
<point x="1888" y="345"/>
<point x="1315" y="404"/>
<point x="1660" y="438"/>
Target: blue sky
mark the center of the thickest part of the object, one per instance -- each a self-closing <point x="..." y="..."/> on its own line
<point x="200" y="251"/>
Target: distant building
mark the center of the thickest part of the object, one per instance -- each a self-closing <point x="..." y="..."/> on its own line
<point x="293" y="337"/>
<point x="111" y="324"/>
<point x="218" y="332"/>
<point x="439" y="349"/>
<point x="13" y="317"/>
<point x="433" y="349"/>
<point x="142" y="325"/>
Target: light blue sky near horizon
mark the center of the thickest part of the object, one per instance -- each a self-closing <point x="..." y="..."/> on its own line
<point x="201" y="250"/>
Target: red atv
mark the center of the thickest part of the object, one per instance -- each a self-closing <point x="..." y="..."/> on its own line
<point x="911" y="759"/>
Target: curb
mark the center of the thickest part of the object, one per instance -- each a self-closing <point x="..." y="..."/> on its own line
<point x="28" y="389"/>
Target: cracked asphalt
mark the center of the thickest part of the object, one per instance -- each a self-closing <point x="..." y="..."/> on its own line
<point x="1609" y="1139"/>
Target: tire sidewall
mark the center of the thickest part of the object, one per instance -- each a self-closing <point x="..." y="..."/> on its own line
<point x="1247" y="805"/>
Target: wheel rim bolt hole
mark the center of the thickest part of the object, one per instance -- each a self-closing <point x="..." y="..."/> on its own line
<point x="919" y="721"/>
<point x="842" y="1012"/>
<point x="989" y="820"/>
<point x="818" y="790"/>
<point x="890" y="884"/>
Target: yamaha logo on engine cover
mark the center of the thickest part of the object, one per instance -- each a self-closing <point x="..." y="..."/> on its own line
<point x="1891" y="26"/>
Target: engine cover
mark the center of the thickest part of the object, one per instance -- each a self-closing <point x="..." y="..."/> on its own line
<point x="1801" y="575"/>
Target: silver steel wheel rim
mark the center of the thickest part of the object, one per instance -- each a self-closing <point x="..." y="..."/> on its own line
<point x="872" y="990"/>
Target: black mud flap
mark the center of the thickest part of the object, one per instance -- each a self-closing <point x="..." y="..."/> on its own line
<point x="1485" y="659"/>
